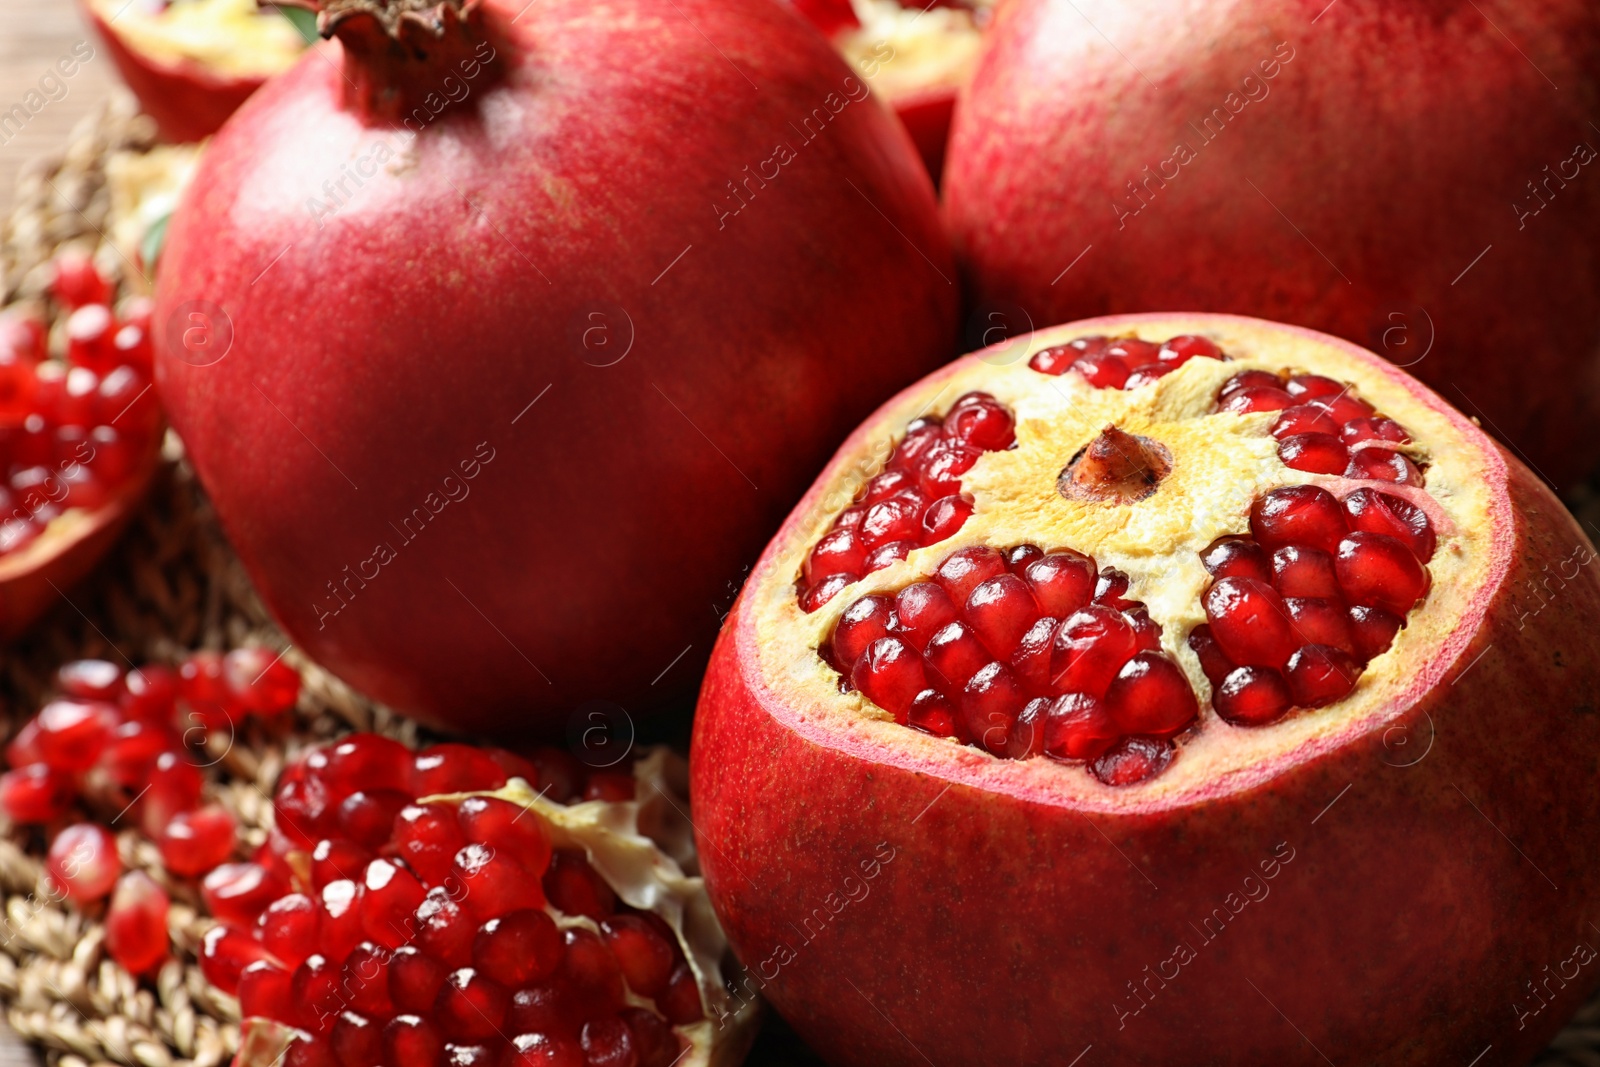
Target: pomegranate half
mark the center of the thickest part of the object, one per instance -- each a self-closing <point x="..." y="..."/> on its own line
<point x="1271" y="159"/>
<point x="192" y="63"/>
<point x="519" y="332"/>
<point x="1247" y="702"/>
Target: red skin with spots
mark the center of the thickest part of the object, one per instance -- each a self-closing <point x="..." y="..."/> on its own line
<point x="1422" y="919"/>
<point x="1412" y="174"/>
<point x="600" y="157"/>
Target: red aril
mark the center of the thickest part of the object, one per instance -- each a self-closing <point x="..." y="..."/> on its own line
<point x="83" y="862"/>
<point x="467" y="611"/>
<point x="1276" y="668"/>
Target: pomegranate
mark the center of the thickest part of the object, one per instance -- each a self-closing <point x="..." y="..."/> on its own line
<point x="1268" y="159"/>
<point x="917" y="57"/>
<point x="414" y="529"/>
<point x="1178" y="707"/>
<point x="192" y="63"/>
<point x="79" y="431"/>
<point x="486" y="927"/>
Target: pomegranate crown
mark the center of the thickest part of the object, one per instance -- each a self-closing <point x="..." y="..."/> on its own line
<point x="399" y="19"/>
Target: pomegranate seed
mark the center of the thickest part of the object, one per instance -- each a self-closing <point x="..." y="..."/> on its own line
<point x="1151" y="695"/>
<point x="1319" y="621"/>
<point x="196" y="841"/>
<point x="368" y="763"/>
<point x="336" y="858"/>
<point x="35" y="793"/>
<point x="1249" y="622"/>
<point x="575" y="888"/>
<point x="945" y="516"/>
<point x="1019" y="556"/>
<point x="307" y="1051"/>
<point x="264" y="991"/>
<point x="1298" y="515"/>
<point x="1311" y="386"/>
<point x="175" y="786"/>
<point x="342" y="928"/>
<point x="1380" y="571"/>
<point x="1249" y="379"/>
<point x="471" y="1005"/>
<point x="365" y="977"/>
<point x="610" y="786"/>
<point x="932" y="713"/>
<point x="1133" y="760"/>
<point x="1133" y="350"/>
<point x="1031" y="660"/>
<point x="1090" y="647"/>
<point x="316" y="991"/>
<point x="1236" y="557"/>
<point x="1373" y="630"/>
<point x="525" y="946"/>
<point x="23" y="748"/>
<point x="921" y="435"/>
<point x="1103" y="370"/>
<point x="887" y="484"/>
<point x="261" y="681"/>
<point x="490" y="820"/>
<point x="411" y="1041"/>
<point x="238" y="893"/>
<point x="888" y="554"/>
<point x="414" y="979"/>
<point x="289" y="928"/>
<point x="91" y="679"/>
<point x="427" y="837"/>
<point x="150" y="694"/>
<point x="545" y="1050"/>
<point x="1252" y="696"/>
<point x="542" y="1008"/>
<point x="1319" y="675"/>
<point x="890" y="674"/>
<point x="1184" y="347"/>
<point x="495" y="883"/>
<point x="608" y="1043"/>
<point x="1357" y="431"/>
<point x="1320" y="453"/>
<point x="1381" y="465"/>
<point x="76" y="282"/>
<point x="72" y="733"/>
<point x="1343" y="409"/>
<point x="1146" y="373"/>
<point x="131" y="754"/>
<point x="839" y="552"/>
<point x="983" y="423"/>
<point x="1213" y="661"/>
<point x="920" y="609"/>
<point x="1062" y="582"/>
<point x="224" y="953"/>
<point x="356" y="1041"/>
<point x="1302" y="419"/>
<point x="593" y="976"/>
<point x="1378" y="512"/>
<point x="955" y="654"/>
<point x="203" y="686"/>
<point x="453" y="768"/>
<point x="1146" y="631"/>
<point x="392" y="897"/>
<point x="1256" y="398"/>
<point x="1304" y="572"/>
<point x="1025" y="738"/>
<point x="962" y="571"/>
<point x="1110" y="587"/>
<point x="826" y="590"/>
<point x="443" y="929"/>
<point x="368" y="818"/>
<point x="656" y="1043"/>
<point x="1000" y="610"/>
<point x="944" y="464"/>
<point x="990" y="704"/>
<point x="457" y="1055"/>
<point x="83" y="862"/>
<point x="1078" y="727"/>
<point x="681" y="1002"/>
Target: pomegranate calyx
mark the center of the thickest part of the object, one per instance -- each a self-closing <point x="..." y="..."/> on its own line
<point x="1117" y="467"/>
<point x="434" y="17"/>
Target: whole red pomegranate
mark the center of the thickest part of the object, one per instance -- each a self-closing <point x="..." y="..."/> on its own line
<point x="502" y="340"/>
<point x="1276" y="159"/>
<point x="1238" y="696"/>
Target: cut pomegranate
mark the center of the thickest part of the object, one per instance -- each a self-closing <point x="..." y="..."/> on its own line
<point x="916" y="501"/>
<point x="477" y="969"/>
<point x="1120" y="702"/>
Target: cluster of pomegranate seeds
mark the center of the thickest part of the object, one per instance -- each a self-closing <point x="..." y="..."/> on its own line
<point x="75" y="427"/>
<point x="1123" y="362"/>
<point x="434" y="933"/>
<point x="916" y="501"/>
<point x="1022" y="652"/>
<point x="1297" y="608"/>
<point x="1323" y="427"/>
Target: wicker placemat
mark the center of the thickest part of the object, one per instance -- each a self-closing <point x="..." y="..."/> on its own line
<point x="172" y="585"/>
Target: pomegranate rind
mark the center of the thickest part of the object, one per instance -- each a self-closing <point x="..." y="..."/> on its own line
<point x="1456" y="781"/>
<point x="644" y="850"/>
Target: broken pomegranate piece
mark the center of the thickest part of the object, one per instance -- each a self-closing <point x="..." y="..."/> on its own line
<point x="1164" y="713"/>
<point x="915" y="501"/>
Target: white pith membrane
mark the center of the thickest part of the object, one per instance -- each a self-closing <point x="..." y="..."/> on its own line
<point x="1221" y="462"/>
<point x="644" y="849"/>
<point x="228" y="37"/>
<point x="929" y="48"/>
